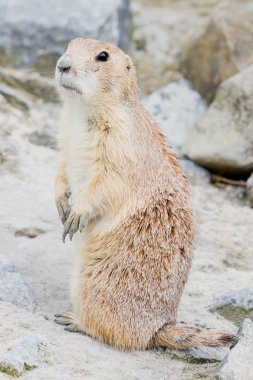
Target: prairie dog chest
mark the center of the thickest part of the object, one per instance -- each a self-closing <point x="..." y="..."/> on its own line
<point x="80" y="149"/>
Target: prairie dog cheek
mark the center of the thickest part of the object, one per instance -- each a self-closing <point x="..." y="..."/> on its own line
<point x="90" y="86"/>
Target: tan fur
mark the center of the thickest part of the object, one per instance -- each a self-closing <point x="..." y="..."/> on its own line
<point x="131" y="202"/>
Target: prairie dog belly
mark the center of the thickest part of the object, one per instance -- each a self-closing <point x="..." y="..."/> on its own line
<point x="80" y="154"/>
<point x="78" y="170"/>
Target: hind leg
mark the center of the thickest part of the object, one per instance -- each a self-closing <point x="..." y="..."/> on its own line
<point x="69" y="321"/>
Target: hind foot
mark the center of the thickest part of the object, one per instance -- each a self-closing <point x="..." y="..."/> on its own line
<point x="68" y="319"/>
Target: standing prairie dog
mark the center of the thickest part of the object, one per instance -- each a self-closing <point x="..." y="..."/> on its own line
<point x="129" y="207"/>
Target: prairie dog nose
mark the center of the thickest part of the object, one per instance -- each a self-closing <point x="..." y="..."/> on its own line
<point x="64" y="64"/>
<point x="64" y="69"/>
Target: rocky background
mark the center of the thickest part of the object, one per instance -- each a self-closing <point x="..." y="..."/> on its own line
<point x="195" y="66"/>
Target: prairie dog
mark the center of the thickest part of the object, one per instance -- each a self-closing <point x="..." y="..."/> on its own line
<point x="130" y="208"/>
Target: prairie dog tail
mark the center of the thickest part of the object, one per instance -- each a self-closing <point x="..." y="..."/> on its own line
<point x="182" y="338"/>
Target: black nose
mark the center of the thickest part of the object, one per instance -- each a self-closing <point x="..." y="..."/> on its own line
<point x="63" y="68"/>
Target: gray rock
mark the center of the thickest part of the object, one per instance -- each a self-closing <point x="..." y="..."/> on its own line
<point x="246" y="331"/>
<point x="49" y="25"/>
<point x="235" y="305"/>
<point x="209" y="353"/>
<point x="223" y="140"/>
<point x="29" y="232"/>
<point x="196" y="174"/>
<point x="239" y="362"/>
<point x="161" y="30"/>
<point x="43" y="137"/>
<point x="14" y="289"/>
<point x="15" y="97"/>
<point x="201" y="354"/>
<point x="7" y="151"/>
<point x="177" y="108"/>
<point x="31" y="83"/>
<point x="249" y="189"/>
<point x="9" y="158"/>
<point x="224" y="49"/>
<point x="26" y="354"/>
<point x="242" y="298"/>
<point x="7" y="266"/>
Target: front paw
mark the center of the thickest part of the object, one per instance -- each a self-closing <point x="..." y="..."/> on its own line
<point x="63" y="206"/>
<point x="75" y="222"/>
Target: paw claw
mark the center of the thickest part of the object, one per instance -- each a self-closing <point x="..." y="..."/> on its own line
<point x="68" y="320"/>
<point x="73" y="327"/>
<point x="64" y="236"/>
<point x="72" y="225"/>
<point x="63" y="206"/>
<point x="64" y="319"/>
<point x="65" y="216"/>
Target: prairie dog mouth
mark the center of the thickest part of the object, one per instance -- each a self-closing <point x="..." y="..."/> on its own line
<point x="70" y="88"/>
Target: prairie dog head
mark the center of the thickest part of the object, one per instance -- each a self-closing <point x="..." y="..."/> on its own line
<point x="98" y="72"/>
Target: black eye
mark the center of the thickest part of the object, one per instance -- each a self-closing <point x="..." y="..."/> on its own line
<point x="103" y="56"/>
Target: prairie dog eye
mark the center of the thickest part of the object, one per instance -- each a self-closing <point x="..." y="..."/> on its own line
<point x="103" y="56"/>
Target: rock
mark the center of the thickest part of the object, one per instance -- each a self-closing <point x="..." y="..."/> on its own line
<point x="249" y="189"/>
<point x="176" y="108"/>
<point x="224" y="49"/>
<point x="43" y="137"/>
<point x="15" y="97"/>
<point x="223" y="139"/>
<point x="160" y="30"/>
<point x="26" y="354"/>
<point x="29" y="232"/>
<point x="236" y="298"/>
<point x="152" y="75"/>
<point x="31" y="83"/>
<point x="31" y="23"/>
<point x="239" y="362"/>
<point x="235" y="305"/>
<point x="196" y="174"/>
<point x="209" y="353"/>
<point x="201" y="355"/>
<point x="8" y="156"/>
<point x="9" y="117"/>
<point x="8" y="266"/>
<point x="235" y="193"/>
<point x="15" y="290"/>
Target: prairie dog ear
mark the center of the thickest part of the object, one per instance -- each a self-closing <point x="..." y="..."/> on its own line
<point x="128" y="62"/>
